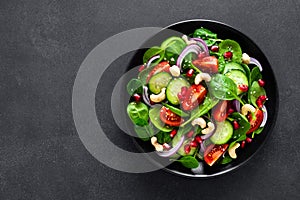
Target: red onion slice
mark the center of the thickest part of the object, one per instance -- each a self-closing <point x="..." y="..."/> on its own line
<point x="202" y="43"/>
<point x="265" y="112"/>
<point x="208" y="135"/>
<point x="151" y="60"/>
<point x="193" y="48"/>
<point x="146" y="96"/>
<point x="256" y="62"/>
<point x="237" y="105"/>
<point x="173" y="150"/>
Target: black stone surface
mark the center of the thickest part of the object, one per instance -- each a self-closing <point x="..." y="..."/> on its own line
<point x="42" y="46"/>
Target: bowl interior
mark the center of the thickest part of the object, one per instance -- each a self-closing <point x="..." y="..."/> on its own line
<point x="224" y="32"/>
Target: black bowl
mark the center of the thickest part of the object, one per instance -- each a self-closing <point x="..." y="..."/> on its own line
<point x="224" y="32"/>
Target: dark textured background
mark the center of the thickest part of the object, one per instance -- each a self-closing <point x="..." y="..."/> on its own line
<point x="41" y="48"/>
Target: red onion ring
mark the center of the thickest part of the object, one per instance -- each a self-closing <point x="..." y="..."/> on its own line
<point x="152" y="59"/>
<point x="256" y="62"/>
<point x="146" y="96"/>
<point x="192" y="48"/>
<point x="173" y="150"/>
<point x="265" y="112"/>
<point x="208" y="135"/>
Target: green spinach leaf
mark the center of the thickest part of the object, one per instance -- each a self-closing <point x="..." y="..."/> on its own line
<point x="204" y="33"/>
<point x="153" y="51"/>
<point x="189" y="162"/>
<point x="255" y="75"/>
<point x="257" y="131"/>
<point x="134" y="86"/>
<point x="176" y="110"/>
<point x="163" y="137"/>
<point x="240" y="133"/>
<point x="254" y="92"/>
<point x="138" y="113"/>
<point x="144" y="132"/>
<point x="227" y="159"/>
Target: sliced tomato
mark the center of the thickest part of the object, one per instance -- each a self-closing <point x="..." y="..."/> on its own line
<point x="170" y="118"/>
<point x="220" y="112"/>
<point x="160" y="67"/>
<point x="208" y="64"/>
<point x="214" y="152"/>
<point x="255" y="120"/>
<point x="194" y="96"/>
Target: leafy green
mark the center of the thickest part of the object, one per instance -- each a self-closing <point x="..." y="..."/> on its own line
<point x="223" y="88"/>
<point x="153" y="51"/>
<point x="255" y="75"/>
<point x="240" y="133"/>
<point x="163" y="137"/>
<point x="254" y="92"/>
<point x="173" y="47"/>
<point x="134" y="86"/>
<point x="144" y="74"/>
<point x="144" y="132"/>
<point x="189" y="162"/>
<point x="204" y="33"/>
<point x="208" y="104"/>
<point x="247" y="70"/>
<point x="232" y="46"/>
<point x="176" y="110"/>
<point x="227" y="159"/>
<point x="155" y="119"/>
<point x="257" y="131"/>
<point x="138" y="113"/>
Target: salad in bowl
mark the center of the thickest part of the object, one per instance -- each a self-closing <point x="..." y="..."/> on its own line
<point x="199" y="99"/>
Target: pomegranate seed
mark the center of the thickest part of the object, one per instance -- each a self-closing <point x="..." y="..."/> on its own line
<point x="183" y="90"/>
<point x="142" y="67"/>
<point x="228" y="55"/>
<point x="263" y="98"/>
<point x="243" y="144"/>
<point x="230" y="111"/>
<point x="173" y="133"/>
<point x="259" y="103"/>
<point x="166" y="146"/>
<point x="190" y="73"/>
<point x="248" y="140"/>
<point x="180" y="96"/>
<point x="243" y="88"/>
<point x="261" y="82"/>
<point x="194" y="143"/>
<point x="236" y="125"/>
<point x="190" y="134"/>
<point x="187" y="149"/>
<point x="137" y="97"/>
<point x="214" y="48"/>
<point x="198" y="139"/>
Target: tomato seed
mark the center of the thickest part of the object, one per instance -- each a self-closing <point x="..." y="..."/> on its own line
<point x="261" y="82"/>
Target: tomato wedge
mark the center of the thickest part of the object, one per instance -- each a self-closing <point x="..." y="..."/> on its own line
<point x="194" y="96"/>
<point x="160" y="67"/>
<point x="170" y="118"/>
<point x="255" y="120"/>
<point x="220" y="112"/>
<point x="208" y="64"/>
<point x="214" y="152"/>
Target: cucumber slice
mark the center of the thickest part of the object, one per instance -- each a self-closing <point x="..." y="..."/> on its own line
<point x="181" y="149"/>
<point x="223" y="132"/>
<point x="174" y="88"/>
<point x="234" y="47"/>
<point x="233" y="66"/>
<point x="155" y="119"/>
<point x="239" y="78"/>
<point x="159" y="81"/>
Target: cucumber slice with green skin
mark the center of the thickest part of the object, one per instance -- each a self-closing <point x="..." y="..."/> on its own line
<point x="239" y="78"/>
<point x="174" y="88"/>
<point x="223" y="133"/>
<point x="181" y="149"/>
<point x="155" y="119"/>
<point x="159" y="81"/>
<point x="233" y="66"/>
<point x="234" y="47"/>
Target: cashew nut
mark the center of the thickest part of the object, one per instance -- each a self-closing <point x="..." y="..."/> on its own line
<point x="202" y="77"/>
<point x="157" y="146"/>
<point x="232" y="149"/>
<point x="209" y="129"/>
<point x="187" y="41"/>
<point x="156" y="98"/>
<point x="246" y="58"/>
<point x="175" y="71"/>
<point x="199" y="121"/>
<point x="247" y="108"/>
